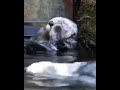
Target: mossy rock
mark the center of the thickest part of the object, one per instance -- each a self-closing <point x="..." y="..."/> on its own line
<point x="87" y="21"/>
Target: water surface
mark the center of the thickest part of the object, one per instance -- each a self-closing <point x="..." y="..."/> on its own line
<point x="43" y="83"/>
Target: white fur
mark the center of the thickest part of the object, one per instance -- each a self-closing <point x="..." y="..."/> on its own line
<point x="68" y="26"/>
<point x="48" y="27"/>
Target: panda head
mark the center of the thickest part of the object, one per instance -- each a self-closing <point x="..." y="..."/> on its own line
<point x="61" y="29"/>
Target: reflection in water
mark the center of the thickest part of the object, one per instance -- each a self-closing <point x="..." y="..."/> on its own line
<point x="42" y="83"/>
<point x="50" y="56"/>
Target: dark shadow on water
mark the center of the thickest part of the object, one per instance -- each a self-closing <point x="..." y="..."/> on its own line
<point x="60" y="57"/>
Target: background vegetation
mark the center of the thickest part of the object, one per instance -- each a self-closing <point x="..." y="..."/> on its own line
<point x="87" y="22"/>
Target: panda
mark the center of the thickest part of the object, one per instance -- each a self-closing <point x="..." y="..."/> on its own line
<point x="59" y="34"/>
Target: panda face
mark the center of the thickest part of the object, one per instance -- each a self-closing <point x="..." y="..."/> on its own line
<point x="60" y="29"/>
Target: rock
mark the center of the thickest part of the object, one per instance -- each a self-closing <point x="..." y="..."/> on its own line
<point x="87" y="21"/>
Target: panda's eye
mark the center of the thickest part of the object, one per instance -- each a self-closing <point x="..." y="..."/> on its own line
<point x="51" y="23"/>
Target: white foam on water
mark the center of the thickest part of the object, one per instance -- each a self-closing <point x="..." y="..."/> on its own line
<point x="46" y="67"/>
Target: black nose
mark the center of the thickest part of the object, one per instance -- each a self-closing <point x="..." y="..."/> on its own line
<point x="51" y="23"/>
<point x="58" y="29"/>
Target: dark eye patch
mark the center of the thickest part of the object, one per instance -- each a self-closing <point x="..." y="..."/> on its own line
<point x="51" y="23"/>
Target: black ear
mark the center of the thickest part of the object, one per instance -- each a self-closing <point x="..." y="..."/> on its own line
<point x="51" y="23"/>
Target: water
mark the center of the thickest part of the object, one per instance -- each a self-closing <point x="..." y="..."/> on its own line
<point x="44" y="83"/>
